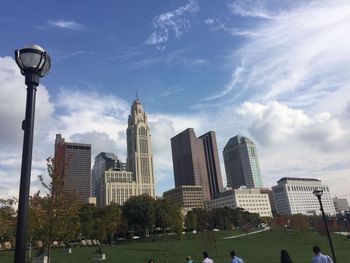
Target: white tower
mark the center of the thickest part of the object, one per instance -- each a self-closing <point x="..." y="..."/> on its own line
<point x="140" y="158"/>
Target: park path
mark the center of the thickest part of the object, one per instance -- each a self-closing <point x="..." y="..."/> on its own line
<point x="251" y="233"/>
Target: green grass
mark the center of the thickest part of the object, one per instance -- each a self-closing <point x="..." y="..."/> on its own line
<point x="258" y="248"/>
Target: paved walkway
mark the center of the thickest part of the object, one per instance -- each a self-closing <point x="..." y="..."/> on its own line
<point x="341" y="233"/>
<point x="250" y="233"/>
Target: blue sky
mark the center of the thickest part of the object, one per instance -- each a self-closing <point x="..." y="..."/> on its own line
<point x="275" y="71"/>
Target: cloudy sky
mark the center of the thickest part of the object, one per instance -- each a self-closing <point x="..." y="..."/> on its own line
<point x="275" y="71"/>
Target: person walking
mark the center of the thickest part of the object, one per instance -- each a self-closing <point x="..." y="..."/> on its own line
<point x="285" y="258"/>
<point x="234" y="258"/>
<point x="206" y="258"/>
<point x="319" y="257"/>
<point x="189" y="259"/>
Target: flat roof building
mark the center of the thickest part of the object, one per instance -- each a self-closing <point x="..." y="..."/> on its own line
<point x="73" y="164"/>
<point x="196" y="161"/>
<point x="295" y="196"/>
<point x="251" y="200"/>
<point x="186" y="196"/>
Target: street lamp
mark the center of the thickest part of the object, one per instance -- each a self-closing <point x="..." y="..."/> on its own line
<point x="318" y="193"/>
<point x="347" y="214"/>
<point x="34" y="63"/>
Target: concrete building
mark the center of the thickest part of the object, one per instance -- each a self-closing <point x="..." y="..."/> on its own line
<point x="139" y="150"/>
<point x="186" y="196"/>
<point x="295" y="196"/>
<point x="272" y="200"/>
<point x="241" y="163"/>
<point x="251" y="200"/>
<point x="117" y="187"/>
<point x="73" y="164"/>
<point x="196" y="162"/>
<point x="104" y="161"/>
<point x="341" y="204"/>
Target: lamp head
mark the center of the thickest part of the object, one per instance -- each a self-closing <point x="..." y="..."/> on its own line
<point x="318" y="192"/>
<point x="33" y="59"/>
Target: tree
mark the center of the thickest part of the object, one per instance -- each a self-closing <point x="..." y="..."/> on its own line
<point x="56" y="215"/>
<point x="111" y="219"/>
<point x="86" y="215"/>
<point x="168" y="215"/>
<point x="191" y="221"/>
<point x="7" y="219"/>
<point x="139" y="212"/>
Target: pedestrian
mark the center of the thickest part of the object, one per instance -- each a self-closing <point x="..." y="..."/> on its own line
<point x="319" y="257"/>
<point x="151" y="261"/>
<point x="234" y="258"/>
<point x="285" y="258"/>
<point x="206" y="258"/>
<point x="189" y="259"/>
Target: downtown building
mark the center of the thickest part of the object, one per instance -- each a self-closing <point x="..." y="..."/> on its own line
<point x="196" y="162"/>
<point x="250" y="200"/>
<point x="116" y="181"/>
<point x="187" y="197"/>
<point x="295" y="196"/>
<point x="72" y="162"/>
<point x="241" y="163"/>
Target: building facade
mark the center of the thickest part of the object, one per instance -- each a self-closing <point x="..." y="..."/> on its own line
<point x="212" y="162"/>
<point x="117" y="187"/>
<point x="139" y="150"/>
<point x="104" y="161"/>
<point x="241" y="163"/>
<point x="295" y="196"/>
<point x="341" y="204"/>
<point x="73" y="164"/>
<point x="196" y="162"/>
<point x="186" y="196"/>
<point x="251" y="200"/>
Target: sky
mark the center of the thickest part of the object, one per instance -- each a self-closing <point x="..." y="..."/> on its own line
<point x="275" y="71"/>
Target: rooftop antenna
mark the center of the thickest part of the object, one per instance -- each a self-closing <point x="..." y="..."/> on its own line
<point x="137" y="94"/>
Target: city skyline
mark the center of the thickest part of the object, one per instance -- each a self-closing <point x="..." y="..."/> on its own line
<point x="260" y="70"/>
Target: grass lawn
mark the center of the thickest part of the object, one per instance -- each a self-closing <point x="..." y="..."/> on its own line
<point x="257" y="248"/>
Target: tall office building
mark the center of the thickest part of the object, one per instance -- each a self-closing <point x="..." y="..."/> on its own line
<point x="241" y="163"/>
<point x="139" y="150"/>
<point x="212" y="162"/>
<point x="73" y="163"/>
<point x="196" y="162"/>
<point x="104" y="161"/>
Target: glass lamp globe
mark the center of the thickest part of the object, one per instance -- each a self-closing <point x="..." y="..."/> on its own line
<point x="33" y="59"/>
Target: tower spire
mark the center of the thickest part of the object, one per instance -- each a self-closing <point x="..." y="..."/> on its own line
<point x="137" y="94"/>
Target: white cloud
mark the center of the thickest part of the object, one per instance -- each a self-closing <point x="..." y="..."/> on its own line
<point x="300" y="58"/>
<point x="66" y="24"/>
<point x="174" y="22"/>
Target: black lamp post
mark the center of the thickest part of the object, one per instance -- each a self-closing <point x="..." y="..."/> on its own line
<point x="34" y="63"/>
<point x="318" y="193"/>
<point x="347" y="214"/>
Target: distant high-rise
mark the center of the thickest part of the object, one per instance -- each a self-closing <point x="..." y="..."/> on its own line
<point x="139" y="150"/>
<point x="104" y="161"/>
<point x="212" y="162"/>
<point x="73" y="163"/>
<point x="196" y="162"/>
<point x="241" y="163"/>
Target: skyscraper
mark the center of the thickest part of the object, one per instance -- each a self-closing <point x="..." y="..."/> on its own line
<point x="196" y="162"/>
<point x="212" y="162"/>
<point x="139" y="150"/>
<point x="241" y="163"/>
<point x="104" y="161"/>
<point x="73" y="160"/>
